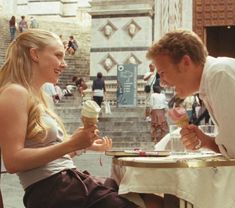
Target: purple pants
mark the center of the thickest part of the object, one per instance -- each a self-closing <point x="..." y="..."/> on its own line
<point x="73" y="189"/>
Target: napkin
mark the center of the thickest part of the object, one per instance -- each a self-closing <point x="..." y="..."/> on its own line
<point x="164" y="144"/>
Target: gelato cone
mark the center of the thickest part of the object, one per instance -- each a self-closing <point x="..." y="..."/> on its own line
<point x="179" y="116"/>
<point x="90" y="113"/>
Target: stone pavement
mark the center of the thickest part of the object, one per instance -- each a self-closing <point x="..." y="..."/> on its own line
<point x="90" y="161"/>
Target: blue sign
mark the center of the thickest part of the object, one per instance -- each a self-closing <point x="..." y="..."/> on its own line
<point x="127" y="85"/>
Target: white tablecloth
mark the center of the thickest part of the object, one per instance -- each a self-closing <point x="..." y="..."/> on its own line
<point x="210" y="187"/>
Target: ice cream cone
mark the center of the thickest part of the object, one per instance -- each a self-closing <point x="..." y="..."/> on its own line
<point x="179" y="116"/>
<point x="89" y="113"/>
<point x="88" y="122"/>
<point x="182" y="122"/>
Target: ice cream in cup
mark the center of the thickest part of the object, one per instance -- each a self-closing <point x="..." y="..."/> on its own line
<point x="90" y="113"/>
<point x="179" y="116"/>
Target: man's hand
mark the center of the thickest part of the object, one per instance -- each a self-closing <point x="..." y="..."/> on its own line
<point x="192" y="137"/>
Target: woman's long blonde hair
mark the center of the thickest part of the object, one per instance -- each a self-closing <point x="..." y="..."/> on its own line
<point x="17" y="69"/>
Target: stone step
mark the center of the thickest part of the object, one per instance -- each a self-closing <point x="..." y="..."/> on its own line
<point x="127" y="136"/>
<point x="117" y="113"/>
<point x="76" y="67"/>
<point x="124" y="135"/>
<point x="130" y="145"/>
<point x="114" y="109"/>
<point x="70" y="101"/>
<point x="130" y="139"/>
<point x="115" y="126"/>
<point x="132" y="117"/>
<point x="110" y="95"/>
<point x="111" y="85"/>
<point x="70" y="116"/>
<point x="126" y="126"/>
<point x="140" y="126"/>
<point x="4" y="38"/>
<point x="78" y="64"/>
<point x="147" y="145"/>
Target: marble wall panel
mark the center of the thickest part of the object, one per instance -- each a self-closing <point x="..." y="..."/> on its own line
<point x="121" y="37"/>
<point x="120" y="58"/>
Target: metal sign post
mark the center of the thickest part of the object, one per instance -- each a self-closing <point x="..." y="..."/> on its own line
<point x="127" y="85"/>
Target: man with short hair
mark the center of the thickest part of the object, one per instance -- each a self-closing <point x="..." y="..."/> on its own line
<point x="182" y="61"/>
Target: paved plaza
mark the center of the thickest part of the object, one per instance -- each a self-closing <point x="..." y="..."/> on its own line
<point x="13" y="192"/>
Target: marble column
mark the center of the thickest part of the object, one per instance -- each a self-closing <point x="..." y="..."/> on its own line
<point x="171" y="15"/>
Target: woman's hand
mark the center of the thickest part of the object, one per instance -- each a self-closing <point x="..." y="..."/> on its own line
<point x="192" y="137"/>
<point x="84" y="137"/>
<point x="101" y="144"/>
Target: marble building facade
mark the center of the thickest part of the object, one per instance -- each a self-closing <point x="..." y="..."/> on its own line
<point x="121" y="30"/>
<point x="121" y="33"/>
<point x="62" y="8"/>
<point x="69" y="11"/>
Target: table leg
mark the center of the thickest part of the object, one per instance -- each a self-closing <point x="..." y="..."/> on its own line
<point x="171" y="201"/>
<point x="184" y="204"/>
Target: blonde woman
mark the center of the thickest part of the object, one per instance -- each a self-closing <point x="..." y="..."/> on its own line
<point x="32" y="139"/>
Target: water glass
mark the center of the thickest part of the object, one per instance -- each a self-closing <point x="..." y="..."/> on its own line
<point x="176" y="144"/>
<point x="208" y="130"/>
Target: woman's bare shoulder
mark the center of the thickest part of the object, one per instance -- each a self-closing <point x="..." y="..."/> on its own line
<point x="14" y="94"/>
<point x="14" y="89"/>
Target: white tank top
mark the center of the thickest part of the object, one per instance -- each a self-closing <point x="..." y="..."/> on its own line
<point x="55" y="135"/>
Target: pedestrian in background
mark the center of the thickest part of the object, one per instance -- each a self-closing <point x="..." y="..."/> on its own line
<point x="188" y="105"/>
<point x="33" y="23"/>
<point x="98" y="89"/>
<point x="158" y="106"/>
<point x="23" y="25"/>
<point x="72" y="45"/>
<point x="49" y="89"/>
<point x="149" y="78"/>
<point x="12" y="27"/>
<point x="80" y="84"/>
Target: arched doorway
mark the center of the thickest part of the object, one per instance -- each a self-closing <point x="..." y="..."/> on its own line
<point x="220" y="41"/>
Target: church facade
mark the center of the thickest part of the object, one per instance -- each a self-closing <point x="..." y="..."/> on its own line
<point x="121" y="31"/>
